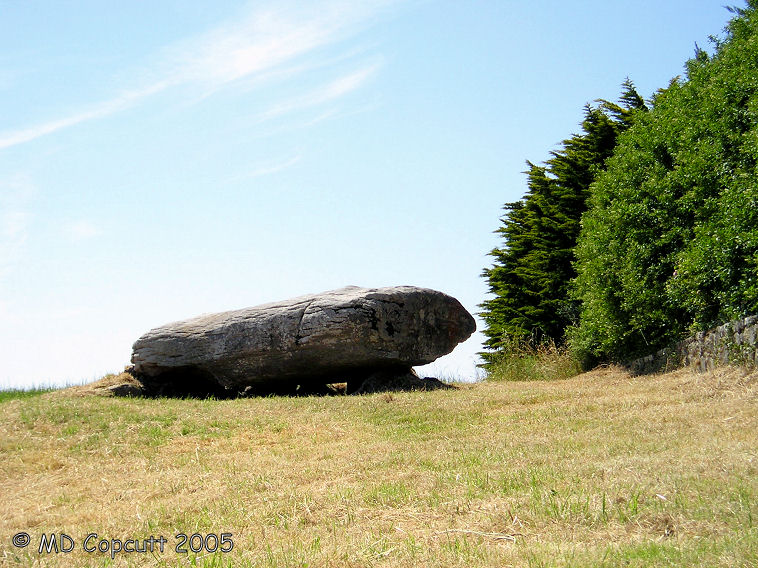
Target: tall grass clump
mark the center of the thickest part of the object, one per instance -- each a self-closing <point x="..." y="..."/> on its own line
<point x="522" y="360"/>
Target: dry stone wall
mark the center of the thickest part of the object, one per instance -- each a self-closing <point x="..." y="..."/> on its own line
<point x="734" y="343"/>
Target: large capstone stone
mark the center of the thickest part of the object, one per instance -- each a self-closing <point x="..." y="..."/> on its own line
<point x="344" y="335"/>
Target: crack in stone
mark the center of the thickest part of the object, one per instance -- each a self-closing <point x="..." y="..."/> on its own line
<point x="298" y="336"/>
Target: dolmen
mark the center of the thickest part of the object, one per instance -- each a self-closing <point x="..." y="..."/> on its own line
<point x="368" y="338"/>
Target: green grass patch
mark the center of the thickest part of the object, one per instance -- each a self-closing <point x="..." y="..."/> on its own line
<point x="603" y="469"/>
<point x="15" y="394"/>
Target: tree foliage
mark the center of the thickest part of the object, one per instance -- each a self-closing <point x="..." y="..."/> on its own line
<point x="670" y="242"/>
<point x="532" y="271"/>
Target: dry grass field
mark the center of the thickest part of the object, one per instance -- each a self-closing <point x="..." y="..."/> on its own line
<point x="601" y="469"/>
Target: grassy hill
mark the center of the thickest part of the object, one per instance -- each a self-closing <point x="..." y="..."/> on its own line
<point x="602" y="469"/>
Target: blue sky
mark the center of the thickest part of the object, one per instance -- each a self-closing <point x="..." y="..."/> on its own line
<point x="159" y="160"/>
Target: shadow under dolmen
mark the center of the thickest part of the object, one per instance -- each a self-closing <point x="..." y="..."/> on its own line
<point x="190" y="382"/>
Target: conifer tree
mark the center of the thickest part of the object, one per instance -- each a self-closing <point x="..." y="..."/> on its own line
<point x="532" y="271"/>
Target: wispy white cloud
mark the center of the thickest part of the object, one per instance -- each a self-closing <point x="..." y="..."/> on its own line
<point x="13" y="226"/>
<point x="13" y="138"/>
<point x="81" y="230"/>
<point x="331" y="112"/>
<point x="258" y="43"/>
<point x="267" y="38"/>
<point x="16" y="195"/>
<point x="336" y="89"/>
<point x="269" y="169"/>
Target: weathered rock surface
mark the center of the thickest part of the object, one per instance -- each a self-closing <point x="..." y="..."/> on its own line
<point x="344" y="335"/>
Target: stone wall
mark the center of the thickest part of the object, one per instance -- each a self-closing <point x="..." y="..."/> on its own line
<point x="734" y="343"/>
